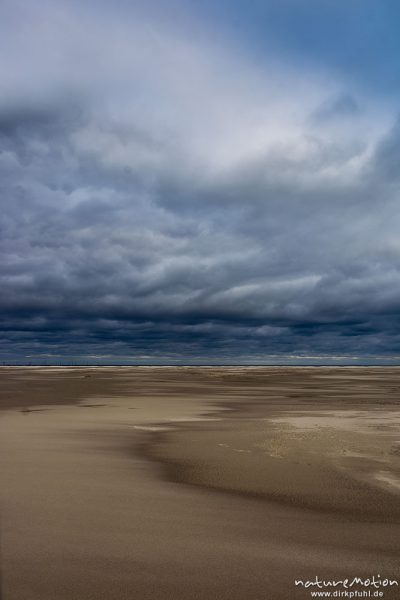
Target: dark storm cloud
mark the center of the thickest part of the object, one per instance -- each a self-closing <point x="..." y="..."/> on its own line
<point x="207" y="212"/>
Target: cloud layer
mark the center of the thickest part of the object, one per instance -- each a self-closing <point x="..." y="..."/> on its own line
<point x="165" y="197"/>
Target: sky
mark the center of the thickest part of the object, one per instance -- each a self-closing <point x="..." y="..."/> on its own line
<point x="186" y="182"/>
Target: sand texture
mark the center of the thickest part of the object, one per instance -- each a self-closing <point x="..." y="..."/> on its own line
<point x="161" y="483"/>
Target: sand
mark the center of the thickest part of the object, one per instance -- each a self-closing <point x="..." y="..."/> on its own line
<point x="197" y="483"/>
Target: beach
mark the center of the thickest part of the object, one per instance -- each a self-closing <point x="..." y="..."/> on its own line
<point x="206" y="483"/>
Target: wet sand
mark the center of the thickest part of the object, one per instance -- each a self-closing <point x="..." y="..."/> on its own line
<point x="197" y="483"/>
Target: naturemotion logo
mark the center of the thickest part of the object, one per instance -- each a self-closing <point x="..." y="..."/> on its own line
<point x="371" y="587"/>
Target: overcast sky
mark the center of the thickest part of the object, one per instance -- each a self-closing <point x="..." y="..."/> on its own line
<point x="187" y="181"/>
